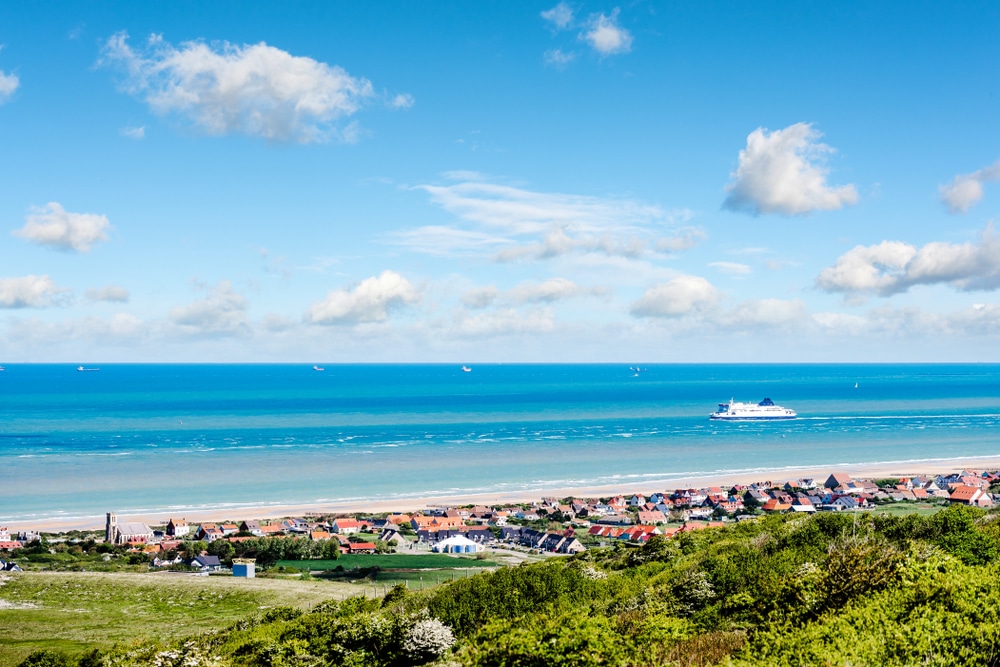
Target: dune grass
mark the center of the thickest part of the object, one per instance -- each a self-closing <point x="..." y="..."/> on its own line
<point x="74" y="612"/>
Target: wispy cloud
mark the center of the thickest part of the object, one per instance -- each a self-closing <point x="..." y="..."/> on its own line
<point x="516" y="224"/>
<point x="109" y="294"/>
<point x="732" y="268"/>
<point x="256" y="90"/>
<point x="132" y="132"/>
<point x="559" y="17"/>
<point x="784" y="172"/>
<point x="559" y="59"/>
<point x="55" y="227"/>
<point x="966" y="190"/>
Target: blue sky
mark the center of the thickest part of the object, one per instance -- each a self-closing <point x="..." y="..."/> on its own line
<point x="651" y="182"/>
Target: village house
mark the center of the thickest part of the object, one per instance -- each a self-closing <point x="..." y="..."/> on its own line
<point x="971" y="495"/>
<point x="252" y="527"/>
<point x="361" y="547"/>
<point x="206" y="563"/>
<point x="178" y="528"/>
<point x="208" y="532"/>
<point x="345" y="526"/>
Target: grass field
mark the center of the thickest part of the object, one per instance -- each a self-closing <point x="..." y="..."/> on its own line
<point x="389" y="562"/>
<point x="903" y="509"/>
<point x="75" y="612"/>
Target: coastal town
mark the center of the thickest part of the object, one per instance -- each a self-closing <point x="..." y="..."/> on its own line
<point x="548" y="526"/>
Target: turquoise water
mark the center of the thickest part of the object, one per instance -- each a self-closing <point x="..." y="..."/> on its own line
<point x="142" y="438"/>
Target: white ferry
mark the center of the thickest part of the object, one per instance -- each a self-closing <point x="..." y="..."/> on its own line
<point x="766" y="409"/>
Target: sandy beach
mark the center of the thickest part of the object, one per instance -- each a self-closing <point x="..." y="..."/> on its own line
<point x="361" y="505"/>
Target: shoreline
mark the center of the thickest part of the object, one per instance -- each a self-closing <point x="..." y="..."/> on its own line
<point x="858" y="470"/>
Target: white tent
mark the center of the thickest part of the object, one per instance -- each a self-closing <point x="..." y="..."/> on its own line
<point x="456" y="545"/>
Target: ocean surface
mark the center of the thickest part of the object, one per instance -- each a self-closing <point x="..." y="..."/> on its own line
<point x="153" y="438"/>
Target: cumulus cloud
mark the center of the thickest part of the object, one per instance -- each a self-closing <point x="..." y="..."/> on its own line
<point x="894" y="266"/>
<point x="8" y="85"/>
<point x="222" y="312"/>
<point x="560" y="16"/>
<point x="784" y="172"/>
<point x="110" y="294"/>
<point x="256" y="89"/>
<point x="677" y="297"/>
<point x="31" y="292"/>
<point x="966" y="190"/>
<point x="371" y="300"/>
<point x="605" y="35"/>
<point x="51" y="225"/>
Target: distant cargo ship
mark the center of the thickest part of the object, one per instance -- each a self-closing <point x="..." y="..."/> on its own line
<point x="766" y="409"/>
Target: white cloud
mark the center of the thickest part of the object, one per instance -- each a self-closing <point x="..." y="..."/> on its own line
<point x="605" y="35"/>
<point x="893" y="266"/>
<point x="783" y="172"/>
<point x="561" y="224"/>
<point x="8" y="84"/>
<point x="560" y="16"/>
<point x="966" y="190"/>
<point x="764" y="313"/>
<point x="558" y="58"/>
<point x="505" y="322"/>
<point x="31" y="292"/>
<point x="677" y="297"/>
<point x="683" y="239"/>
<point x="110" y="294"/>
<point x="136" y="133"/>
<point x="256" y="89"/>
<point x="480" y="297"/>
<point x="402" y="101"/>
<point x="548" y="291"/>
<point x="51" y="225"/>
<point x="445" y="241"/>
<point x="222" y="312"/>
<point x="371" y="300"/>
<point x="732" y="268"/>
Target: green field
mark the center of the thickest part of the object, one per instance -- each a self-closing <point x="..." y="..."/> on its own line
<point x="903" y="509"/>
<point x="77" y="611"/>
<point x="389" y="562"/>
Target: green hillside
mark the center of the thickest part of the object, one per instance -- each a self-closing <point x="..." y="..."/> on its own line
<point x="830" y="589"/>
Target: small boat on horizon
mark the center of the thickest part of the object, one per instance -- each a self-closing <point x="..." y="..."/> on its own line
<point x="466" y="369"/>
<point x="82" y="369"/>
<point x="318" y="368"/>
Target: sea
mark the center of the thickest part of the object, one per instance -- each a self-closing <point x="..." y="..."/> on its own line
<point x="139" y="439"/>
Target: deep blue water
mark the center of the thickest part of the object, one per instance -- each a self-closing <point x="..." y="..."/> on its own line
<point x="156" y="437"/>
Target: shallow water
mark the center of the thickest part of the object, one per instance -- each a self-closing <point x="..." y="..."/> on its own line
<point x="142" y="438"/>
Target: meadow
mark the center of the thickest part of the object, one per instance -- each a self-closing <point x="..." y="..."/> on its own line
<point x="74" y="612"/>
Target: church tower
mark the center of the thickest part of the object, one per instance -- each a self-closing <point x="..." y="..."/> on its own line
<point x="111" y="528"/>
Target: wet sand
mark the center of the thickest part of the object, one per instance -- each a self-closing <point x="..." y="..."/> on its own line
<point x="667" y="483"/>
